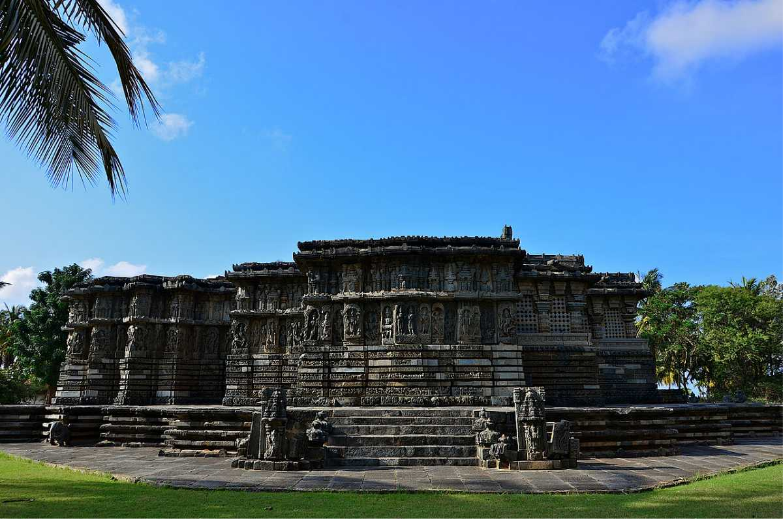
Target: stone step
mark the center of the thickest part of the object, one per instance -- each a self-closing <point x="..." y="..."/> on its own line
<point x="399" y="420"/>
<point x="368" y="430"/>
<point x="133" y="428"/>
<point x="442" y="412"/>
<point x="201" y="444"/>
<point x="398" y="440"/>
<point x="414" y="451"/>
<point x="210" y="434"/>
<point x="401" y="462"/>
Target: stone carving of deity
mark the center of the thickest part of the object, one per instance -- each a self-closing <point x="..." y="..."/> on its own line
<point x="76" y="343"/>
<point x="261" y="297"/>
<point x="437" y="322"/>
<point x="212" y="342"/>
<point x="371" y="325"/>
<point x="137" y="341"/>
<point x="174" y="313"/>
<point x="238" y="336"/>
<point x="531" y="421"/>
<point x="259" y="341"/>
<point x="506" y="323"/>
<point x="399" y="325"/>
<point x="326" y="325"/>
<point x="282" y="335"/>
<point x="475" y="322"/>
<point x="352" y="324"/>
<point x="295" y="333"/>
<point x="313" y="282"/>
<point x="311" y="326"/>
<point x="243" y="299"/>
<point x="424" y="320"/>
<point x="102" y="308"/>
<point x="464" y="323"/>
<point x="99" y="342"/>
<point x="271" y="337"/>
<point x="172" y="342"/>
<point x="388" y="322"/>
<point x="77" y="312"/>
<point x="411" y="320"/>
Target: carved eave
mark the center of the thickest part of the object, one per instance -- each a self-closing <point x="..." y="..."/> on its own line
<point x="277" y="269"/>
<point x="618" y="283"/>
<point x="303" y="258"/>
<point x="409" y="241"/>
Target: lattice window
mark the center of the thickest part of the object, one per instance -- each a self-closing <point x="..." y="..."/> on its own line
<point x="527" y="320"/>
<point x="613" y="324"/>
<point x="559" y="321"/>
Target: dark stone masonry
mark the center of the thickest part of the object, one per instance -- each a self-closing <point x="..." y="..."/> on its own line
<point x="406" y="321"/>
<point x="404" y="351"/>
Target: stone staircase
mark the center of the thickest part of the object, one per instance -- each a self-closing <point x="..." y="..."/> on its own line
<point x="401" y="436"/>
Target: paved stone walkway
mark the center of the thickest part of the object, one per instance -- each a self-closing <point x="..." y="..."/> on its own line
<point x="593" y="475"/>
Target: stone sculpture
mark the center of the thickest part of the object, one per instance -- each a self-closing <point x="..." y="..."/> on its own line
<point x="531" y="422"/>
<point x="59" y="434"/>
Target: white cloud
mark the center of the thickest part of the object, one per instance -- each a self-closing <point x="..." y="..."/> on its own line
<point x="125" y="269"/>
<point x="171" y="126"/>
<point x="184" y="71"/>
<point x="148" y="68"/>
<point x="121" y="268"/>
<point x="94" y="264"/>
<point x="687" y="34"/>
<point x="22" y="280"/>
<point x="161" y="77"/>
<point x="116" y="13"/>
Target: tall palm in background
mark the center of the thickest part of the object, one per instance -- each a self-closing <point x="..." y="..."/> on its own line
<point x="51" y="102"/>
<point x="8" y="317"/>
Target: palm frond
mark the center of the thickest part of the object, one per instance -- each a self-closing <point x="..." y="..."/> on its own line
<point x="51" y="102"/>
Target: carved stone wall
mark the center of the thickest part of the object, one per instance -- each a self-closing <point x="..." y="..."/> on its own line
<point x="267" y="327"/>
<point x="146" y="339"/>
<point x="407" y="320"/>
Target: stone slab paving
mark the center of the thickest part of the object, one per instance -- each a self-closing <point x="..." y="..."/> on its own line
<point x="593" y="475"/>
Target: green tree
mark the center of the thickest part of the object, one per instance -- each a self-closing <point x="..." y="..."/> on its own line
<point x="14" y="388"/>
<point x="51" y="102"/>
<point x="39" y="342"/>
<point x="8" y="317"/>
<point x="742" y="338"/>
<point x="669" y="321"/>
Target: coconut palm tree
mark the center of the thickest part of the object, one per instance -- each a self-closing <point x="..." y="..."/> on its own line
<point x="51" y="102"/>
<point x="8" y="317"/>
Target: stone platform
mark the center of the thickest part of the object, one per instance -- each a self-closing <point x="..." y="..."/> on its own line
<point x="593" y="475"/>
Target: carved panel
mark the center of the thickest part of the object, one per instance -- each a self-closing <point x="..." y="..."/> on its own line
<point x="469" y="324"/>
<point x="506" y="323"/>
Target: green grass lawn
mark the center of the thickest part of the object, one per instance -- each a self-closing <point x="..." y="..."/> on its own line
<point x="30" y="489"/>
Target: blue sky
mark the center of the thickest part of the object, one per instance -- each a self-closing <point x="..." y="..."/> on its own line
<point x="638" y="133"/>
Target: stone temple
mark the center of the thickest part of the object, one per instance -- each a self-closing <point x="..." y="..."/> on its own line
<point x="402" y="321"/>
<point x="408" y="350"/>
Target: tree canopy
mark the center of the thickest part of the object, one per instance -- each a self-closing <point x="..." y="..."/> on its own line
<point x="722" y="339"/>
<point x="39" y="343"/>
